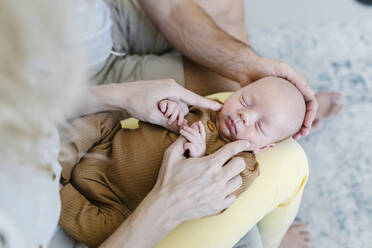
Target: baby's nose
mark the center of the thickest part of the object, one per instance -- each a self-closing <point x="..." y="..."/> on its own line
<point x="246" y="118"/>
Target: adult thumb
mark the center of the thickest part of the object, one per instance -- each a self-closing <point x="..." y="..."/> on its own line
<point x="172" y="155"/>
<point x="175" y="151"/>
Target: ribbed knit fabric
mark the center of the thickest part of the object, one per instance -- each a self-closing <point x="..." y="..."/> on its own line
<point x="108" y="171"/>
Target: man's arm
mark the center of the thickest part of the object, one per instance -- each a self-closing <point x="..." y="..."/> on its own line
<point x="189" y="28"/>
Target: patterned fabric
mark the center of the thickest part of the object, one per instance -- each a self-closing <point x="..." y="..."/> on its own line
<point x="336" y="56"/>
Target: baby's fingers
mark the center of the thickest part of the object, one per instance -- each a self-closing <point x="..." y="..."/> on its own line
<point x="171" y="107"/>
<point x="202" y="131"/>
<point x="180" y="118"/>
<point x="163" y="106"/>
<point x="189" y="135"/>
<point x="174" y="116"/>
<point x="193" y="151"/>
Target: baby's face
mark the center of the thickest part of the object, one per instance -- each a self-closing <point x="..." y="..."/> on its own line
<point x="263" y="112"/>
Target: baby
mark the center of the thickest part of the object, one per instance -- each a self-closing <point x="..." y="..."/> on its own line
<point x="264" y="112"/>
<point x="107" y="171"/>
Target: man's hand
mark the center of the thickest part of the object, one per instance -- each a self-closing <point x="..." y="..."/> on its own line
<point x="264" y="67"/>
<point x="197" y="36"/>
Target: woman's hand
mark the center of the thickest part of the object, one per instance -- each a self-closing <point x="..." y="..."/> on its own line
<point x="264" y="67"/>
<point x="198" y="187"/>
<point x="185" y="189"/>
<point x="140" y="99"/>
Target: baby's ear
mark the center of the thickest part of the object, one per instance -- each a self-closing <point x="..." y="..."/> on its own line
<point x="264" y="148"/>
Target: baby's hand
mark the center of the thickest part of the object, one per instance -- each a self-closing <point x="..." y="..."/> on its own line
<point x="173" y="111"/>
<point x="195" y="135"/>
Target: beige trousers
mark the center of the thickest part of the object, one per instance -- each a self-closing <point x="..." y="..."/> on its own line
<point x="148" y="55"/>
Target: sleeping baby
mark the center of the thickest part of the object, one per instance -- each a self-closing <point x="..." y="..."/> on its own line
<point x="107" y="171"/>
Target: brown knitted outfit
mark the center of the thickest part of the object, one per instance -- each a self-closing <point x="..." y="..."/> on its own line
<point x="107" y="171"/>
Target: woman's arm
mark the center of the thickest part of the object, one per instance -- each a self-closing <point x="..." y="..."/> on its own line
<point x="196" y="179"/>
<point x="146" y="226"/>
<point x="140" y="99"/>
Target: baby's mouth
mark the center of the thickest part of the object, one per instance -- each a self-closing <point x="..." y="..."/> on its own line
<point x="231" y="126"/>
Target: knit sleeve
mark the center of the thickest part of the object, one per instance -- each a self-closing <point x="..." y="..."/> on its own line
<point x="81" y="136"/>
<point x="250" y="173"/>
<point x="89" y="222"/>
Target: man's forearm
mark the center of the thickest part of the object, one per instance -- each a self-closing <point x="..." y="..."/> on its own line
<point x="190" y="29"/>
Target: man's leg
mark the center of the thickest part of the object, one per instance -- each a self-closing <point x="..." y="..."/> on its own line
<point x="148" y="55"/>
<point x="228" y="15"/>
<point x="151" y="57"/>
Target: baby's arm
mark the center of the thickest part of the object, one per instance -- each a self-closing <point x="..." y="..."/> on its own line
<point x="90" y="222"/>
<point x="196" y="137"/>
<point x="82" y="134"/>
<point x="175" y="112"/>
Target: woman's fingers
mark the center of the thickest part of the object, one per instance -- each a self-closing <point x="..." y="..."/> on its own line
<point x="191" y="98"/>
<point x="233" y="168"/>
<point x="175" y="151"/>
<point x="230" y="199"/>
<point x="233" y="184"/>
<point x="221" y="156"/>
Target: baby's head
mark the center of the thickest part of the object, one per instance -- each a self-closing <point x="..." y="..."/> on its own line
<point x="264" y="112"/>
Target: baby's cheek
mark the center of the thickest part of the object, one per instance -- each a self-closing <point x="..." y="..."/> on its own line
<point x="247" y="134"/>
<point x="251" y="138"/>
<point x="256" y="140"/>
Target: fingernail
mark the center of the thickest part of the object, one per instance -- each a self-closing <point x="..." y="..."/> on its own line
<point x="247" y="143"/>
